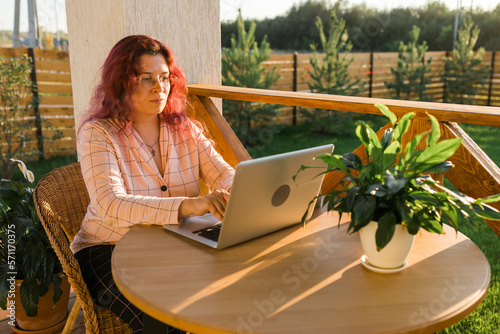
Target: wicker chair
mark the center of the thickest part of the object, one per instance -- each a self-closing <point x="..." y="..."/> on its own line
<point x="61" y="201"/>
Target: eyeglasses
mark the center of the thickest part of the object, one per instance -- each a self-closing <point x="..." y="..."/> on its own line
<point x="149" y="82"/>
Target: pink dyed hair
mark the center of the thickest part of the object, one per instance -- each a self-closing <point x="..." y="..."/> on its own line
<point x="111" y="97"/>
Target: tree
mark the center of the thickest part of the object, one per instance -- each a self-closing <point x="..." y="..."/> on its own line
<point x="15" y="121"/>
<point x="464" y="75"/>
<point x="371" y="29"/>
<point x="330" y="74"/>
<point x="436" y="24"/>
<point x="410" y="79"/>
<point x="242" y="67"/>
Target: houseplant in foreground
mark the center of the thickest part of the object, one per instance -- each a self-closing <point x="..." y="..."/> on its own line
<point x="392" y="194"/>
<point x="30" y="271"/>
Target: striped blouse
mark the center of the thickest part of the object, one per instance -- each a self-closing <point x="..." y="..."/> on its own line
<point x="125" y="185"/>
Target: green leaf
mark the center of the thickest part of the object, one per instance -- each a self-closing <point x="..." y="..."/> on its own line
<point x="394" y="184"/>
<point x="334" y="161"/>
<point x="337" y="204"/>
<point x="486" y="212"/>
<point x="29" y="296"/>
<point x="368" y="137"/>
<point x="302" y="168"/>
<point x="390" y="154"/>
<point x="363" y="210"/>
<point x="44" y="273"/>
<point x="57" y="281"/>
<point x="375" y="144"/>
<point x="350" y="197"/>
<point x="432" y="225"/>
<point x="377" y="190"/>
<point x="3" y="301"/>
<point x="439" y="152"/>
<point x="413" y="227"/>
<point x="402" y="126"/>
<point x="449" y="215"/>
<point x="10" y="197"/>
<point x="385" y="230"/>
<point x="439" y="168"/>
<point x="425" y="196"/>
<point x="31" y="257"/>
<point x="387" y="138"/>
<point x="393" y="148"/>
<point x="366" y="172"/>
<point x="363" y="134"/>
<point x="389" y="114"/>
<point x="489" y="199"/>
<point x="352" y="161"/>
<point x="435" y="133"/>
<point x="411" y="148"/>
<point x="304" y="216"/>
<point x="4" y="285"/>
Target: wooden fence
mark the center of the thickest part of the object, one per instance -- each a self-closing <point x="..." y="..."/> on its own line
<point x="51" y="85"/>
<point x="52" y="79"/>
<point x="374" y="69"/>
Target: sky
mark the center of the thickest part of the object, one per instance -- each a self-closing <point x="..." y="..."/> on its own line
<point x="49" y="10"/>
<point x="259" y="9"/>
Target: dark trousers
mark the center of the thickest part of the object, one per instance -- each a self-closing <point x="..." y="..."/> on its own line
<point x="95" y="263"/>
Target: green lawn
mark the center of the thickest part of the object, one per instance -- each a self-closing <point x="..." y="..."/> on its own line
<point x="486" y="319"/>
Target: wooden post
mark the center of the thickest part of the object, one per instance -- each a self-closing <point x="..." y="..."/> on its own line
<point x="370" y="92"/>
<point x="490" y="88"/>
<point x="191" y="28"/>
<point x="445" y="86"/>
<point x="295" y="84"/>
<point x="474" y="174"/>
<point x="36" y="104"/>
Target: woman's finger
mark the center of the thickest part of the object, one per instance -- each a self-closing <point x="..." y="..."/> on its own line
<point x="219" y="205"/>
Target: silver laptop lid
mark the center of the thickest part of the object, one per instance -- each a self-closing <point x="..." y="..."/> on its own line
<point x="264" y="197"/>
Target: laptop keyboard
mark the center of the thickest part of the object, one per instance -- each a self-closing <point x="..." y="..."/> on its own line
<point x="211" y="232"/>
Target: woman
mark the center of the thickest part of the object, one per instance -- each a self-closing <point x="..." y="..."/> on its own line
<point x="142" y="159"/>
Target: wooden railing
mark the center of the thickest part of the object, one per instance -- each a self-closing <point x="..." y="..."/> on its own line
<point x="474" y="173"/>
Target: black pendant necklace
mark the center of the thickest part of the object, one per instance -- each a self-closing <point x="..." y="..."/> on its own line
<point x="152" y="147"/>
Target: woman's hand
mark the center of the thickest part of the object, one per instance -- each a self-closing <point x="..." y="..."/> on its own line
<point x="214" y="203"/>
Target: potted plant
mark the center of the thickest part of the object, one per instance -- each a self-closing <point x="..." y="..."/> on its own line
<point x="32" y="286"/>
<point x="391" y="196"/>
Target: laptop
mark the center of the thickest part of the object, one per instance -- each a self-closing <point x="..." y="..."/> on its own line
<point x="264" y="198"/>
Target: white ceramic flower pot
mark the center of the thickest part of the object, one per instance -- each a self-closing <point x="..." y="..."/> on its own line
<point x="394" y="254"/>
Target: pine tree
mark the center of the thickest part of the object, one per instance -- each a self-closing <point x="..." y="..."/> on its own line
<point x="330" y="74"/>
<point x="464" y="76"/>
<point x="242" y="67"/>
<point x="410" y="76"/>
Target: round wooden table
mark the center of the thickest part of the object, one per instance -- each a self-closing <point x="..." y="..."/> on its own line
<point x="299" y="280"/>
